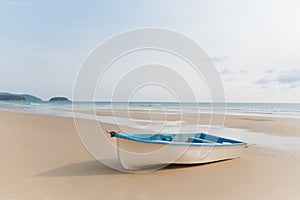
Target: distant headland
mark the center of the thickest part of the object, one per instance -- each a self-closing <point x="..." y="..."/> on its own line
<point x="5" y="96"/>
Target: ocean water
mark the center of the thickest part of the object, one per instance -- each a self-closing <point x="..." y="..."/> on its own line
<point x="254" y="109"/>
<point x="268" y="109"/>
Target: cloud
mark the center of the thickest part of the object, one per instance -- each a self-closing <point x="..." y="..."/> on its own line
<point x="270" y="70"/>
<point x="289" y="77"/>
<point x="243" y="71"/>
<point x="225" y="71"/>
<point x="229" y="80"/>
<point x="263" y="81"/>
<point x="218" y="58"/>
<point x="263" y="87"/>
<point x="294" y="86"/>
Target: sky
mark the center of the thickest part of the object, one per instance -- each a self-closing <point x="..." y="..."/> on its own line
<point x="255" y="45"/>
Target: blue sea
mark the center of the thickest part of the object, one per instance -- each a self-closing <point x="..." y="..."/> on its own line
<point x="269" y="109"/>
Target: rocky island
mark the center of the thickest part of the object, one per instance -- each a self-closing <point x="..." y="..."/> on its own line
<point x="63" y="99"/>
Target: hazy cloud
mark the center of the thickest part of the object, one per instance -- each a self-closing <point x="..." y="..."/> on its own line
<point x="289" y="78"/>
<point x="263" y="81"/>
<point x="294" y="85"/>
<point x="263" y="87"/>
<point x="270" y="71"/>
<point x="218" y="58"/>
<point x="243" y="71"/>
<point x="229" y="79"/>
<point x="225" y="71"/>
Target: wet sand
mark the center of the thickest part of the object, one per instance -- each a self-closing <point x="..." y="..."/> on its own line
<point x="274" y="125"/>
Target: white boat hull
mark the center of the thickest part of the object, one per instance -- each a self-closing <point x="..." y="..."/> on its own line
<point x="135" y="155"/>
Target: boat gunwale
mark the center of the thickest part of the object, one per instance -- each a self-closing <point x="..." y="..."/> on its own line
<point x="177" y="143"/>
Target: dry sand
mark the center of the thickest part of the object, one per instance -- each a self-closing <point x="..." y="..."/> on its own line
<point x="43" y="158"/>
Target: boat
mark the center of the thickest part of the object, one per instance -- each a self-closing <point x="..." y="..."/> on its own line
<point x="138" y="150"/>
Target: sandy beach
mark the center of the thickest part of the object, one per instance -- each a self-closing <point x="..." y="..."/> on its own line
<point x="43" y="158"/>
<point x="149" y="100"/>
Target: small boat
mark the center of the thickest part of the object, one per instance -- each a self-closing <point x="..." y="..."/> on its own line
<point x="138" y="151"/>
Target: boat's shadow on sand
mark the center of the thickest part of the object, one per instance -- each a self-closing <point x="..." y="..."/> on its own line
<point x="87" y="168"/>
<point x="94" y="168"/>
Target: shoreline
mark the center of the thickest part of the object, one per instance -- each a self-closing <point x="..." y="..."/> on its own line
<point x="285" y="126"/>
<point x="274" y="125"/>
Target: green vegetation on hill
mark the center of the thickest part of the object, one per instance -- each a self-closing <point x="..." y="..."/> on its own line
<point x="4" y="96"/>
<point x="9" y="97"/>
